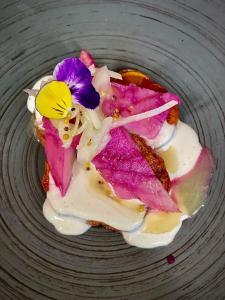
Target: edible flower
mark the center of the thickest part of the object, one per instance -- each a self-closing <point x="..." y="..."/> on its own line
<point x="54" y="100"/>
<point x="71" y="85"/>
<point x="78" y="78"/>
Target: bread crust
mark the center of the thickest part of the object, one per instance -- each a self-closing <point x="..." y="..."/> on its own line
<point x="155" y="161"/>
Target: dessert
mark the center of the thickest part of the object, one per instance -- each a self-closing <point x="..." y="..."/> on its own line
<point x="117" y="154"/>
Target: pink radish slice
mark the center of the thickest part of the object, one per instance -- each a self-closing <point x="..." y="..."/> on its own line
<point x="122" y="165"/>
<point x="60" y="159"/>
<point x="86" y="58"/>
<point x="131" y="100"/>
<point x="102" y="84"/>
<point x="75" y="141"/>
<point x="190" y="190"/>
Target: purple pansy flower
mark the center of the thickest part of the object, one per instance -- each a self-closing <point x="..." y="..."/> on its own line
<point x="78" y="78"/>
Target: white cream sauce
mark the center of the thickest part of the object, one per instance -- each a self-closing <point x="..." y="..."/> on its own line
<point x="64" y="224"/>
<point x="184" y="141"/>
<point x="187" y="147"/>
<point x="89" y="200"/>
<point x="141" y="239"/>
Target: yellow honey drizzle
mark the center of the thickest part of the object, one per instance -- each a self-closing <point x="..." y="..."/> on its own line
<point x="170" y="158"/>
<point x="101" y="186"/>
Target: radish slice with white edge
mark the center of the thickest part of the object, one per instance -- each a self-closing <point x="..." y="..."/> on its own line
<point x="145" y="115"/>
<point x="101" y="81"/>
<point x="112" y="74"/>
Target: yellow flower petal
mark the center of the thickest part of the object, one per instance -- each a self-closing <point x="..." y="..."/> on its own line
<point x="54" y="100"/>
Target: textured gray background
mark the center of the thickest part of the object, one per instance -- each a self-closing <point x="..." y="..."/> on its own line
<point x="179" y="43"/>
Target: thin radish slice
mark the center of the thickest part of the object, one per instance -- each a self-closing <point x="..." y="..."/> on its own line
<point x="86" y="58"/>
<point x="112" y="74"/>
<point x="145" y="115"/>
<point x="122" y="165"/>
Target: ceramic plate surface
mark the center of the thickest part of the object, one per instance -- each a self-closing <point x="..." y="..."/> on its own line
<point x="181" y="44"/>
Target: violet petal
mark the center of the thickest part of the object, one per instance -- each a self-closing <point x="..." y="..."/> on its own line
<point x="73" y="72"/>
<point x="78" y="78"/>
<point x="87" y="96"/>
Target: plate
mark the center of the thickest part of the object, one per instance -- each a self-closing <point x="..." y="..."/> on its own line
<point x="181" y="44"/>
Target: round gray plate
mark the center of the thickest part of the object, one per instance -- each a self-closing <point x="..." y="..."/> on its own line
<point x="179" y="43"/>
